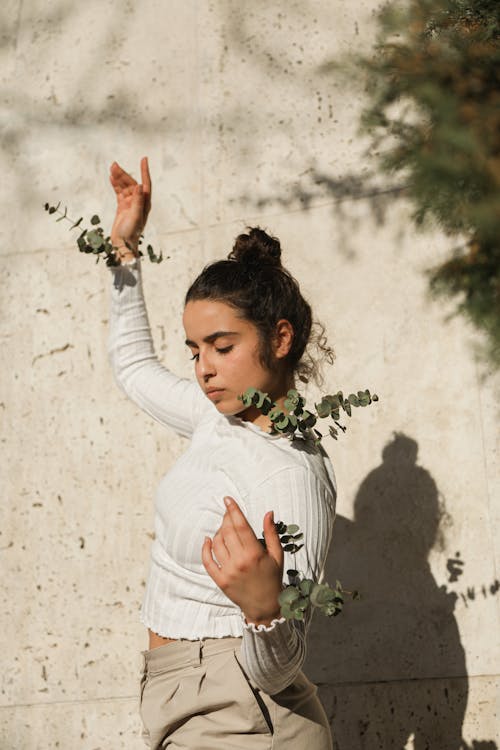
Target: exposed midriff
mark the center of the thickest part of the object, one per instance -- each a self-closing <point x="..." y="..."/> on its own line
<point x="156" y="640"/>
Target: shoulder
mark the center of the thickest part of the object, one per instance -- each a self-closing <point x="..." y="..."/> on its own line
<point x="254" y="460"/>
<point x="295" y="466"/>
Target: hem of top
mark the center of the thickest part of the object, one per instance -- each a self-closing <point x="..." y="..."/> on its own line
<point x="232" y="631"/>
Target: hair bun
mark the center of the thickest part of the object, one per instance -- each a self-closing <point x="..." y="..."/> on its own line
<point x="256" y="248"/>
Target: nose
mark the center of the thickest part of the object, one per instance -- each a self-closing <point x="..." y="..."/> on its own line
<point x="206" y="368"/>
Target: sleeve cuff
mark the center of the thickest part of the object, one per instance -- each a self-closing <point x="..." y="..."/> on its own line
<point x="262" y="628"/>
<point x="134" y="263"/>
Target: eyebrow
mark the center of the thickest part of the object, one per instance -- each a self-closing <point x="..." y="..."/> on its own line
<point x="211" y="338"/>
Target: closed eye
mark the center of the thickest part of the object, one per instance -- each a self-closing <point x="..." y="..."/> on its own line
<point x="224" y="350"/>
<point x="195" y="356"/>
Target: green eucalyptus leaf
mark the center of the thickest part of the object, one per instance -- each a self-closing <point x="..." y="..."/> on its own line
<point x="95" y="219"/>
<point x="321" y="594"/>
<point x="248" y="395"/>
<point x="305" y="586"/>
<point x="283" y="423"/>
<point x="259" y="399"/>
<point x="353" y="399"/>
<point x="330" y="609"/>
<point x="266" y="406"/>
<point x="152" y="255"/>
<point x="308" y="419"/>
<point x="275" y="414"/>
<point x="289" y="595"/>
<point x="301" y="603"/>
<point x="94" y="239"/>
<point x="286" y="612"/>
<point x="334" y="401"/>
<point x="292" y="528"/>
<point x="323" y="409"/>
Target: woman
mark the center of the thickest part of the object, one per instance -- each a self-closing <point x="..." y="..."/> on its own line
<point x="223" y="669"/>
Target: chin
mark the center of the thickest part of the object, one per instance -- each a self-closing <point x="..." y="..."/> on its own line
<point x="229" y="409"/>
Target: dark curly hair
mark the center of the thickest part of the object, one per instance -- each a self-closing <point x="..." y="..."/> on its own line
<point x="253" y="281"/>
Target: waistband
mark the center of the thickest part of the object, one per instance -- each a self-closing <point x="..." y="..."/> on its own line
<point x="181" y="654"/>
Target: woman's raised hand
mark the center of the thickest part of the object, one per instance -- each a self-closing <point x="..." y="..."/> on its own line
<point x="248" y="574"/>
<point x="133" y="203"/>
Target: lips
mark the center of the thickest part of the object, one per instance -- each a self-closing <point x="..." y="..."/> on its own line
<point x="214" y="392"/>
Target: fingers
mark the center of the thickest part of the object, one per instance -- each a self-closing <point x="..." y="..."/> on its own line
<point x="272" y="539"/>
<point x="239" y="523"/>
<point x="145" y="176"/>
<point x="138" y="198"/>
<point x="146" y="184"/>
<point x="209" y="563"/>
<point x="220" y="547"/>
<point x="119" y="178"/>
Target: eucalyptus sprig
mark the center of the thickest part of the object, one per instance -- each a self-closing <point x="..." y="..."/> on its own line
<point x="297" y="421"/>
<point x="94" y="241"/>
<point x="303" y="593"/>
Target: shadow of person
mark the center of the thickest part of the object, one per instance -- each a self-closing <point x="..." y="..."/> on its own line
<point x="391" y="668"/>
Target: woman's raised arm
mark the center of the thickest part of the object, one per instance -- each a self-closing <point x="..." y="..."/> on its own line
<point x="173" y="401"/>
<point x="133" y="204"/>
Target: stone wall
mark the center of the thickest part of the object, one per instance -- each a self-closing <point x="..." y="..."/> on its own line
<point x="242" y="126"/>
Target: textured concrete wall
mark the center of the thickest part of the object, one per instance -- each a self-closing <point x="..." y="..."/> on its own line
<point x="228" y="101"/>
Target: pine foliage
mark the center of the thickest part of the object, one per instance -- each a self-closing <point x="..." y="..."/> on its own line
<point x="434" y="113"/>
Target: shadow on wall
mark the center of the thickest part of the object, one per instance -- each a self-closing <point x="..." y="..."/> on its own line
<point x="391" y="668"/>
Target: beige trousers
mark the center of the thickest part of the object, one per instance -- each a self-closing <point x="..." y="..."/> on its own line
<point x="197" y="695"/>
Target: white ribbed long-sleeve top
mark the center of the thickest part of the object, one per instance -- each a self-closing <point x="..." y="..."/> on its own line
<point x="226" y="456"/>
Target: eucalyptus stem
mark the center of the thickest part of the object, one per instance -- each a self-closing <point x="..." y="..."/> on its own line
<point x="301" y="594"/>
<point x="298" y="422"/>
<point x="94" y="241"/>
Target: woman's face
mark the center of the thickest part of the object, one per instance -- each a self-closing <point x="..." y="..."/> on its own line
<point x="226" y="353"/>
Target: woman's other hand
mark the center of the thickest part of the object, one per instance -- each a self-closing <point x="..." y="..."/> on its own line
<point x="133" y="203"/>
<point x="250" y="575"/>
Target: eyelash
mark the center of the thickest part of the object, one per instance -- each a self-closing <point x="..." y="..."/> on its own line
<point x="224" y="350"/>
